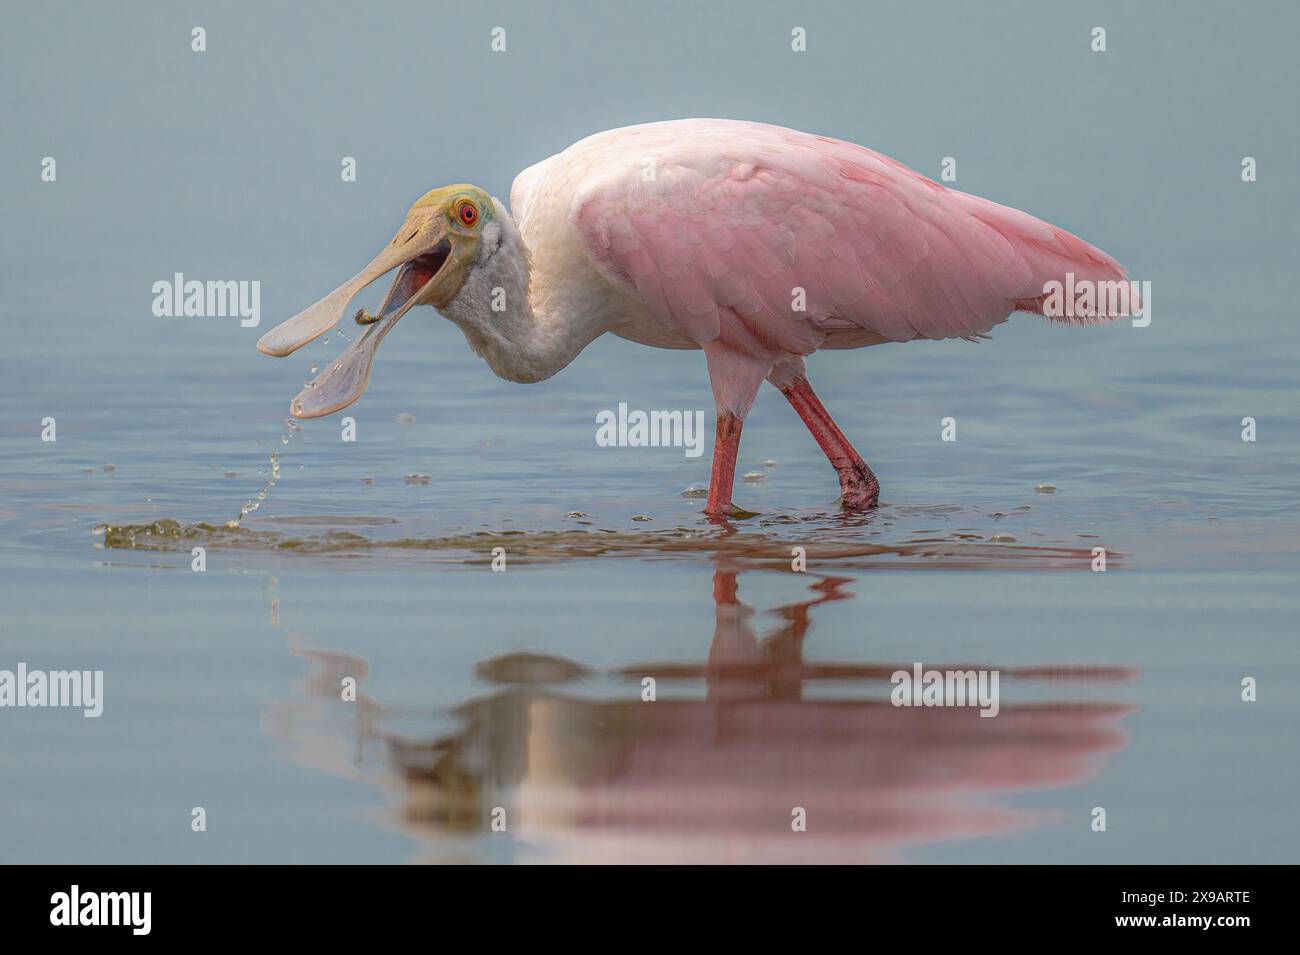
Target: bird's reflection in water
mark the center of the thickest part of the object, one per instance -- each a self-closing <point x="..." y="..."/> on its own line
<point x="714" y="775"/>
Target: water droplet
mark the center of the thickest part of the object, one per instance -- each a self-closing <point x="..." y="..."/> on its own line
<point x="110" y="467"/>
<point x="284" y="439"/>
<point x="313" y="369"/>
<point x="754" y="477"/>
<point x="367" y="480"/>
<point x="1002" y="538"/>
<point x="769" y="463"/>
<point x="419" y="478"/>
<point x="641" y="517"/>
<point x="1045" y="488"/>
<point x="232" y="474"/>
<point x="88" y="470"/>
<point x="325" y="340"/>
<point x="695" y="491"/>
<point x="405" y="418"/>
<point x="575" y="514"/>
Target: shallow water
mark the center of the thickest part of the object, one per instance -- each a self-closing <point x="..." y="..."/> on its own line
<point x="523" y="689"/>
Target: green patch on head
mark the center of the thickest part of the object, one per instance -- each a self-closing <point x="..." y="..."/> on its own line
<point x="446" y="194"/>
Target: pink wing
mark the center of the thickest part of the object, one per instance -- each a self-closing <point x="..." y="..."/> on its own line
<point x="740" y="215"/>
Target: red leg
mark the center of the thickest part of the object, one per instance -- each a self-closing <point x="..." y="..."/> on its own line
<point x="726" y="444"/>
<point x="858" y="485"/>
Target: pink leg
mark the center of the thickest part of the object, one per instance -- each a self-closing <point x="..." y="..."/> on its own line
<point x="726" y="444"/>
<point x="858" y="485"/>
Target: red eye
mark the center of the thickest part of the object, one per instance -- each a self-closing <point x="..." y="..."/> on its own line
<point x="468" y="212"/>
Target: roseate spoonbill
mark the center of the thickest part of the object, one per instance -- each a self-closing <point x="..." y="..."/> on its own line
<point x="755" y="243"/>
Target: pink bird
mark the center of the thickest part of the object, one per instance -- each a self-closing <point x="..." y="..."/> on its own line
<point x="757" y="244"/>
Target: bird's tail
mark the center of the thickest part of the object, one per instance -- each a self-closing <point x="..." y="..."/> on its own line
<point x="1072" y="281"/>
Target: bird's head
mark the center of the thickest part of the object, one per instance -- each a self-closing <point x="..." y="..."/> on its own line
<point x="449" y="237"/>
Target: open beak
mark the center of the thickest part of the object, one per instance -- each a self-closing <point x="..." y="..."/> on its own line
<point x="419" y="251"/>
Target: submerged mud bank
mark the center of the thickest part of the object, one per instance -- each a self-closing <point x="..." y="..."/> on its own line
<point x="761" y="546"/>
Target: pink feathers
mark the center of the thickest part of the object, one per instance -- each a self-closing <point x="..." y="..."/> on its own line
<point x="769" y="241"/>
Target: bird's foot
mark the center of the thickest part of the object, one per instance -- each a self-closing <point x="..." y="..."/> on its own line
<point x="859" y="489"/>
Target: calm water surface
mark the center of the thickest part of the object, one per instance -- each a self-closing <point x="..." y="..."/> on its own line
<point x="522" y="689"/>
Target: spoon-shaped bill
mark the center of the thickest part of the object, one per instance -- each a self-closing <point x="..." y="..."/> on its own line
<point x="420" y="234"/>
<point x="316" y="320"/>
<point x="345" y="379"/>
